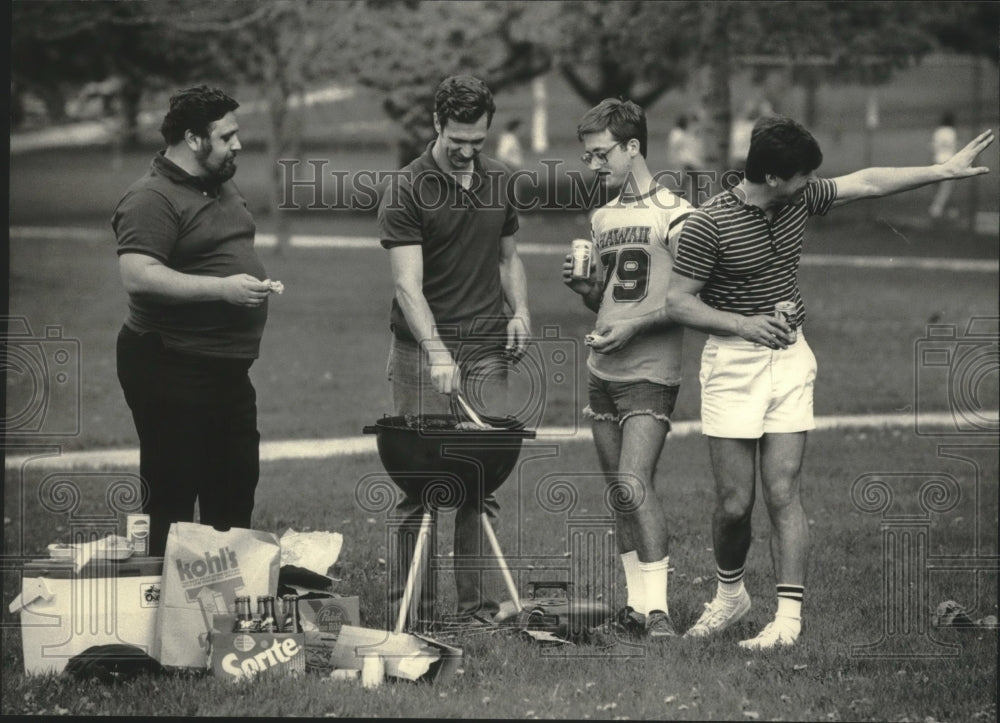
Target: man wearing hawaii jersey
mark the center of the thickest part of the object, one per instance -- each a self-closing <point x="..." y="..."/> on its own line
<point x="737" y="257"/>
<point x="634" y="378"/>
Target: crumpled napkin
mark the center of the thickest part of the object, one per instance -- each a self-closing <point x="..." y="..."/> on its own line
<point x="316" y="551"/>
<point x="112" y="547"/>
<point x="951" y="614"/>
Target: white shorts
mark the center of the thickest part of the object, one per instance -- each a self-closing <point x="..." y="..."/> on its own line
<point x="748" y="389"/>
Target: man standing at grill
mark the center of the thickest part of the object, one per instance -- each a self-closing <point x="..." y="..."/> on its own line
<point x="635" y="366"/>
<point x="197" y="308"/>
<point x="737" y="258"/>
<point x="460" y="311"/>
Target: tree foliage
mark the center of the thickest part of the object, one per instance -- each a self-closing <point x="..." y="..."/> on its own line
<point x="627" y="48"/>
<point x="404" y="49"/>
<point x="57" y="46"/>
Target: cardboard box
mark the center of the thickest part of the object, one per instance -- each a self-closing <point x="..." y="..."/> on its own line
<point x="243" y="655"/>
<point x="64" y="612"/>
<point x="328" y="614"/>
<point x="322" y="619"/>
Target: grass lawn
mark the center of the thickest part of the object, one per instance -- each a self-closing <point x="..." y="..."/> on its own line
<point x="825" y="677"/>
<point x="322" y="363"/>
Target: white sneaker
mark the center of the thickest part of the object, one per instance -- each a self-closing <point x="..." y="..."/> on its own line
<point x="719" y="615"/>
<point x="779" y="633"/>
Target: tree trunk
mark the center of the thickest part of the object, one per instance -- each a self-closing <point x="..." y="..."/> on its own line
<point x="131" y="96"/>
<point x="715" y="97"/>
<point x="54" y="101"/>
<point x="539" y="116"/>
<point x="280" y="140"/>
<point x="810" y="86"/>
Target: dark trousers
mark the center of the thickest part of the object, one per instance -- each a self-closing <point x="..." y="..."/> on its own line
<point x="196" y="418"/>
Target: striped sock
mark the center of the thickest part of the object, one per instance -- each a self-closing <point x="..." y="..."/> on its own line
<point x="730" y="581"/>
<point x="790" y="601"/>
<point x="633" y="582"/>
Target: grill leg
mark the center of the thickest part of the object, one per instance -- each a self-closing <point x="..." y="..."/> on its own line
<point x="495" y="544"/>
<point x="414" y="572"/>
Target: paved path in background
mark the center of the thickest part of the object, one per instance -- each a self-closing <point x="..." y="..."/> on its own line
<point x="48" y="457"/>
<point x="65" y="233"/>
<point x="275" y="451"/>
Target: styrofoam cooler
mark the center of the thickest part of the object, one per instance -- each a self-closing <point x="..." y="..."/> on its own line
<point x="64" y="612"/>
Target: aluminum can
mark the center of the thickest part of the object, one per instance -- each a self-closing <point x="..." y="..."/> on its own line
<point x="786" y="310"/>
<point x="290" y="614"/>
<point x="372" y="670"/>
<point x="582" y="250"/>
<point x="244" y="615"/>
<point x="268" y="620"/>
<point x="137" y="532"/>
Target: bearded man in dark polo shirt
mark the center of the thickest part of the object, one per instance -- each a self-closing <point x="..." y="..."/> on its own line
<point x="197" y="308"/>
<point x="460" y="311"/>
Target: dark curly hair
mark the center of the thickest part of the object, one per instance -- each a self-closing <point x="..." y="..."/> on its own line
<point x="626" y="120"/>
<point x="782" y="147"/>
<point x="194" y="109"/>
<point x="463" y="98"/>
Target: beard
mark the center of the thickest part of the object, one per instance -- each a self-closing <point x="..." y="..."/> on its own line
<point x="217" y="172"/>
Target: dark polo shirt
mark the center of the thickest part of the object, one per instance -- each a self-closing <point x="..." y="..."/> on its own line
<point x="194" y="228"/>
<point x="459" y="231"/>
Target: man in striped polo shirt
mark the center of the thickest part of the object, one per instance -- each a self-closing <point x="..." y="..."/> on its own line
<point x="738" y="256"/>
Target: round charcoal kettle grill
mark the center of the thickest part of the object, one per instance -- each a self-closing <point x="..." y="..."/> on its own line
<point x="444" y="462"/>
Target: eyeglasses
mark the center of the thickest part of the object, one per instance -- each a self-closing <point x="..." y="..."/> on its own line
<point x="601" y="156"/>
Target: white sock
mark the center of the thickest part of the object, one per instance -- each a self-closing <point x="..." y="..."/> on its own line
<point x="633" y="581"/>
<point x="730" y="582"/>
<point x="654" y="581"/>
<point x="790" y="601"/>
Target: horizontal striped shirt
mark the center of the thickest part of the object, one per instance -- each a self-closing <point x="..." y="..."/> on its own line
<point x="747" y="263"/>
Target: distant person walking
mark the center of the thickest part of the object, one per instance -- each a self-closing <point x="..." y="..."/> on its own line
<point x="197" y="295"/>
<point x="684" y="151"/>
<point x="509" y="145"/>
<point x="737" y="258"/>
<point x="684" y="145"/>
<point x="944" y="143"/>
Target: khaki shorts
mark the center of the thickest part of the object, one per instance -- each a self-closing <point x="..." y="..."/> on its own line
<point x="749" y="390"/>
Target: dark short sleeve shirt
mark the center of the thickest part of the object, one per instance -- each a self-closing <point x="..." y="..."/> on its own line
<point x="748" y="263"/>
<point x="193" y="228"/>
<point x="459" y="232"/>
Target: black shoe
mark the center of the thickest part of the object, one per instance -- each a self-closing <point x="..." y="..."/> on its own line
<point x="630" y="622"/>
<point x="658" y="625"/>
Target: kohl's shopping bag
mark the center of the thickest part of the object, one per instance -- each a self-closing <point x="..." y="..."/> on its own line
<point x="204" y="571"/>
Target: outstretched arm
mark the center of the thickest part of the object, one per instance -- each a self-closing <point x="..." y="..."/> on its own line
<point x="877" y="182"/>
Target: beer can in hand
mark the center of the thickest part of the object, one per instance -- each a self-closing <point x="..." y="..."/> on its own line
<point x="787" y="312"/>
<point x="582" y="249"/>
